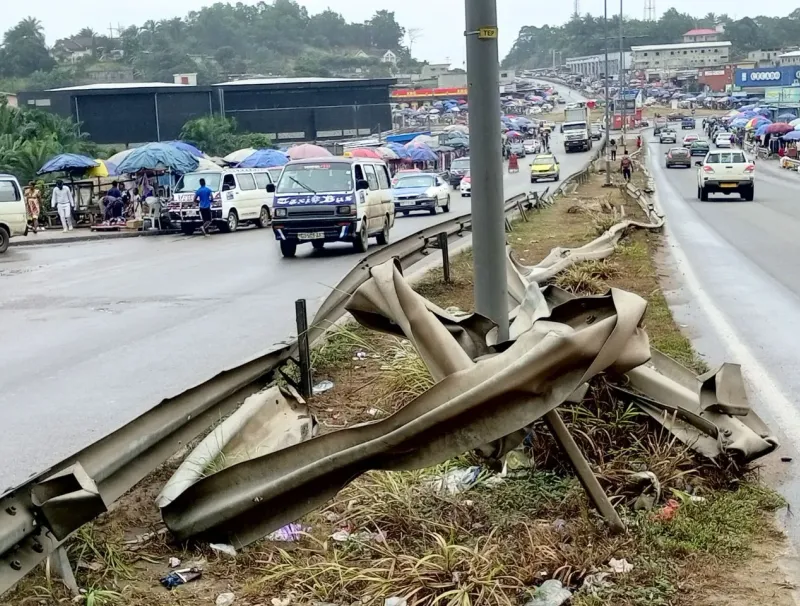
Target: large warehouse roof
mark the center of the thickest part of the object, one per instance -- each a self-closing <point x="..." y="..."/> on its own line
<point x="120" y="86"/>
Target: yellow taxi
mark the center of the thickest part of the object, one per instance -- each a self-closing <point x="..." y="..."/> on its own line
<point x="545" y="166"/>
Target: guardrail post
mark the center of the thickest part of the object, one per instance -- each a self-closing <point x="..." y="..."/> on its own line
<point x="58" y="562"/>
<point x="304" y="352"/>
<point x="444" y="246"/>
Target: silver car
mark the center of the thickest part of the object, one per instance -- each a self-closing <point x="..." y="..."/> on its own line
<point x="668" y="136"/>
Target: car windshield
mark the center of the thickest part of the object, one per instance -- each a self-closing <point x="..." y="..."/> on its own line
<point x="190" y="182"/>
<point x="460" y="164"/>
<point x="577" y="126"/>
<point x="735" y="157"/>
<point x="679" y="151"/>
<point x="275" y="173"/>
<point x="325" y="177"/>
<point x="700" y="144"/>
<point x="416" y="181"/>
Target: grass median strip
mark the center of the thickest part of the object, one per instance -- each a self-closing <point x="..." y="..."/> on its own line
<point x="466" y="532"/>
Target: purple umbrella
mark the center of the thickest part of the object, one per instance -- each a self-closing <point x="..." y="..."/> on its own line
<point x="422" y="154"/>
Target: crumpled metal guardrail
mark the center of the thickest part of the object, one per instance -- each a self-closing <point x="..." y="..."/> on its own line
<point x="38" y="515"/>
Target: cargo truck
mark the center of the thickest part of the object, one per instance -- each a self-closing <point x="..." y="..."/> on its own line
<point x="577" y="135"/>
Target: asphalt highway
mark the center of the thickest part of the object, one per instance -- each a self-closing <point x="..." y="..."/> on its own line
<point x="96" y="333"/>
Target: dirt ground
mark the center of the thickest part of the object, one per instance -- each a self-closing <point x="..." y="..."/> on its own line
<point x="491" y="544"/>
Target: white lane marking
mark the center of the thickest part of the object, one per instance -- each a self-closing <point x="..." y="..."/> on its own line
<point x="758" y="377"/>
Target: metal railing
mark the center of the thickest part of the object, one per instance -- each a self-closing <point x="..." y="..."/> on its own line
<point x="37" y="516"/>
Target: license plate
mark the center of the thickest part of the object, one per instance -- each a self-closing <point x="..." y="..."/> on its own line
<point x="313" y="235"/>
<point x="409" y="203"/>
<point x="191" y="213"/>
<point x="728" y="184"/>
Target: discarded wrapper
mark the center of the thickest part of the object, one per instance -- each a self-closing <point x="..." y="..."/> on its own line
<point x="176" y="578"/>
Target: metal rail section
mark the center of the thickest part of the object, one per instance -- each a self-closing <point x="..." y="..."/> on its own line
<point x="37" y="516"/>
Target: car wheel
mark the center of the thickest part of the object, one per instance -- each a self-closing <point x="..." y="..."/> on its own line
<point x="187" y="229"/>
<point x="533" y="180"/>
<point x="557" y="177"/>
<point x="383" y="237"/>
<point x="288" y="249"/>
<point x="434" y="209"/>
<point x="263" y="217"/>
<point x="405" y="213"/>
<point x="361" y="243"/>
<point x="749" y="194"/>
<point x="446" y="206"/>
<point x="5" y="239"/>
<point x="318" y="244"/>
<point x="703" y="194"/>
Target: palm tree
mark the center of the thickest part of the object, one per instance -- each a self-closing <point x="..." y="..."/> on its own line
<point x="29" y="28"/>
<point x="87" y="32"/>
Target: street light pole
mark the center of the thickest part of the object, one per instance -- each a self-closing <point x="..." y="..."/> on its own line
<point x="486" y="163"/>
<point x="608" y="102"/>
<point x="621" y="78"/>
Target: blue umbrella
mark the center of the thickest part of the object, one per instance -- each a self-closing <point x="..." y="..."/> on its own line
<point x="264" y="158"/>
<point x="158" y="156"/>
<point x="739" y="122"/>
<point x="400" y="150"/>
<point x="787" y="117"/>
<point x="792" y="136"/>
<point x="187" y="147"/>
<point x="763" y="111"/>
<point x="762" y="130"/>
<point x="67" y="163"/>
<point x="422" y="154"/>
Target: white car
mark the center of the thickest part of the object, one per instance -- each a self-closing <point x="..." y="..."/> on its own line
<point x="723" y="140"/>
<point x="13" y="214"/>
<point x="421" y="191"/>
<point x="726" y="172"/>
<point x="466" y="186"/>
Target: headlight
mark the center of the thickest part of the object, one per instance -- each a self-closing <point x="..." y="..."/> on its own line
<point x="281" y="212"/>
<point x="344" y="210"/>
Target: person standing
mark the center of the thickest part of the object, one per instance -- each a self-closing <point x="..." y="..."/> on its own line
<point x="613" y="147"/>
<point x="625" y="165"/>
<point x="33" y="202"/>
<point x="63" y="202"/>
<point x="203" y="197"/>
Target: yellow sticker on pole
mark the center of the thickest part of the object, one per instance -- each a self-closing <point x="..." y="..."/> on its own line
<point x="487" y="33"/>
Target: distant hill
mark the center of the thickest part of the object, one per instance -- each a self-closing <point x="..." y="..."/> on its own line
<point x="221" y="41"/>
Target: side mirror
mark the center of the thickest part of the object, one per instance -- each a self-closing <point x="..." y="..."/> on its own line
<point x="699" y="163"/>
<point x="270" y="188"/>
<point x="362" y="184"/>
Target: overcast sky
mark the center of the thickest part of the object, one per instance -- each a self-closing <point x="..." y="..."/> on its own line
<point x="440" y="23"/>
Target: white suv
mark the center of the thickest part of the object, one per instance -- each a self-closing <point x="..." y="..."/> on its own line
<point x="726" y="172"/>
<point x="13" y="215"/>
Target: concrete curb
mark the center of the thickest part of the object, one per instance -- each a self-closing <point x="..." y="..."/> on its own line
<point x="32" y="241"/>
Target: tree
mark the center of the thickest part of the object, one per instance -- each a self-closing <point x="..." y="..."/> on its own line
<point x="385" y="31"/>
<point x="24" y="50"/>
<point x="217" y="136"/>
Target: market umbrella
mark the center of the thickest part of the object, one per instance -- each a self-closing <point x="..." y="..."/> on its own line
<point x="756" y="122"/>
<point x="795" y="122"/>
<point x="187" y="147"/>
<point x="792" y="136"/>
<point x="240" y="155"/>
<point x="306" y="150"/>
<point x="762" y="130"/>
<point x="779" y="128"/>
<point x="264" y="158"/>
<point x="158" y="156"/>
<point x="422" y="140"/>
<point x="763" y="111"/>
<point x="208" y="166"/>
<point x="119" y="157"/>
<point x="434" y="111"/>
<point x="104" y="168"/>
<point x="400" y="150"/>
<point x="422" y="154"/>
<point x="363" y="152"/>
<point x="789" y="117"/>
<point x="459" y="128"/>
<point x="387" y="153"/>
<point x="67" y="163"/>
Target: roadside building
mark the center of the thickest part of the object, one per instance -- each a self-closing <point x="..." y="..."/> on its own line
<point x="789" y="58"/>
<point x="717" y="79"/>
<point x="767" y="57"/>
<point x="668" y="60"/>
<point x="287" y="109"/>
<point x="594" y="65"/>
<point x="702" y="35"/>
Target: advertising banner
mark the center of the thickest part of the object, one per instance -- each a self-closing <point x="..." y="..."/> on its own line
<point x="767" y="76"/>
<point x="410" y="93"/>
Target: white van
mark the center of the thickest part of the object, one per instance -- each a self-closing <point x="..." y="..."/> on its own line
<point x="332" y="199"/>
<point x="13" y="214"/>
<point x="240" y="196"/>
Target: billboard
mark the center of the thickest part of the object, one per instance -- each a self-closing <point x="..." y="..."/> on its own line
<point x="410" y="93"/>
<point x="782" y="95"/>
<point x="767" y="76"/>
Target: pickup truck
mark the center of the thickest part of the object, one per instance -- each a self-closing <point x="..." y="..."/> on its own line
<point x="726" y="172"/>
<point x="687" y="124"/>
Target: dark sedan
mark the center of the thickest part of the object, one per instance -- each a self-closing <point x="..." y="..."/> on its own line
<point x="699" y="148"/>
<point x="679" y="156"/>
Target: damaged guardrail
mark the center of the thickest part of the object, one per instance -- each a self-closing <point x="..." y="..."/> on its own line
<point x="37" y="516"/>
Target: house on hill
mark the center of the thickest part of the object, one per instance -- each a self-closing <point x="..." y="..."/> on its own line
<point x="72" y="50"/>
<point x="703" y="35"/>
<point x="384" y="56"/>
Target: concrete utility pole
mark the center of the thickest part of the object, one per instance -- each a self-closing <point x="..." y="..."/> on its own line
<point x="486" y="163"/>
<point x="608" y="122"/>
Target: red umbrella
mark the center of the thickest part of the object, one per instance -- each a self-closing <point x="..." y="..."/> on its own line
<point x="363" y="152"/>
<point x="779" y="128"/>
<point x="306" y="150"/>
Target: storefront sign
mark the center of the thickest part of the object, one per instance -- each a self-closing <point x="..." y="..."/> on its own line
<point x="788" y="94"/>
<point x="768" y="76"/>
<point x="410" y="93"/>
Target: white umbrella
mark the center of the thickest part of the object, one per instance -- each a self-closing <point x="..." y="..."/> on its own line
<point x="461" y="128"/>
<point x="117" y="158"/>
<point x="238" y="156"/>
<point x="206" y="165"/>
<point x="434" y="111"/>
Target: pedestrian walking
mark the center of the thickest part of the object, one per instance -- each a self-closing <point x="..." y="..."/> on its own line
<point x="625" y="165"/>
<point x="613" y="147"/>
<point x="63" y="202"/>
<point x="33" y="203"/>
<point x="203" y="197"/>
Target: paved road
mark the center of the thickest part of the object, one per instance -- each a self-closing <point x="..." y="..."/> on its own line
<point x="737" y="275"/>
<point x="95" y="333"/>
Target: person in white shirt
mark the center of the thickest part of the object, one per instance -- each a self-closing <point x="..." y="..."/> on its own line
<point x="64" y="203"/>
